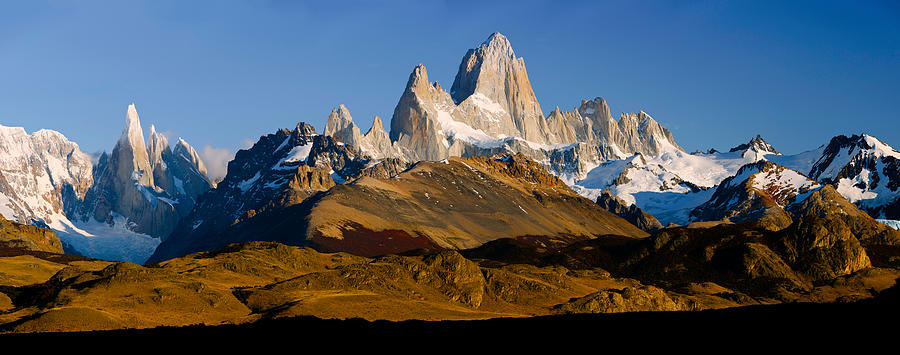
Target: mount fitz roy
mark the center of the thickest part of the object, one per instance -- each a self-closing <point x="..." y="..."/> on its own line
<point x="474" y="161"/>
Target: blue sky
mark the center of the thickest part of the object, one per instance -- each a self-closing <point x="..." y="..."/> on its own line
<point x="221" y="72"/>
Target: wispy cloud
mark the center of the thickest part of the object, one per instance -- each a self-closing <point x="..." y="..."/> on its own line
<point x="216" y="160"/>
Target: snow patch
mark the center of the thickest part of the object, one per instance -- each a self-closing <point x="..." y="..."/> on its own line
<point x="108" y="242"/>
<point x="247" y="184"/>
<point x="890" y="223"/>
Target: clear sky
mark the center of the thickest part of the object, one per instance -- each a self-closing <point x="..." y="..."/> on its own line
<point x="219" y="73"/>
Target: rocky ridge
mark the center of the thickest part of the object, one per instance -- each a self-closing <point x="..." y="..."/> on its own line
<point x="451" y="204"/>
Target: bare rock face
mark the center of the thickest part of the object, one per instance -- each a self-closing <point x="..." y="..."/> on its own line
<point x="632" y="213"/>
<point x="415" y="125"/>
<point x="642" y="134"/>
<point x="758" y="262"/>
<point x="146" y="183"/>
<point x="823" y="248"/>
<point x="377" y="142"/>
<point x="385" y="168"/>
<point x="826" y="203"/>
<point x="757" y="144"/>
<point x="492" y="108"/>
<point x="491" y="75"/>
<point x="340" y="126"/>
<point x="570" y="127"/>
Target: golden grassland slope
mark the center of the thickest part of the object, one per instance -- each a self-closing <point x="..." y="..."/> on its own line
<point x="462" y="203"/>
<point x="452" y="204"/>
<point x="247" y="282"/>
<point x="260" y="280"/>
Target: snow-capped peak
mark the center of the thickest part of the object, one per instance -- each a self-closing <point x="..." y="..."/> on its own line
<point x="880" y="149"/>
<point x="498" y="43"/>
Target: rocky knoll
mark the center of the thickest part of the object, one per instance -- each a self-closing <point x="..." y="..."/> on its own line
<point x="629" y="299"/>
<point x="20" y="236"/>
<point x="632" y="213"/>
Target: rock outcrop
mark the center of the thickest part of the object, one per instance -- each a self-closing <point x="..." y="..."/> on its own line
<point x="630" y="213"/>
<point x="21" y="236"/>
<point x="629" y="299"/>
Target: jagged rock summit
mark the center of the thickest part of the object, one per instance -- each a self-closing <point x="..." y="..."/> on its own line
<point x="491" y="79"/>
<point x="757" y="144"/>
<point x="492" y="108"/>
<point x="146" y="183"/>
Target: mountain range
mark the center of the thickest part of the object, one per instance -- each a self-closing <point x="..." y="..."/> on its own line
<point x="474" y="204"/>
<point x="123" y="204"/>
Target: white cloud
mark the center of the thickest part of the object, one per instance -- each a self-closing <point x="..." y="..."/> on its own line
<point x="247" y="143"/>
<point x="216" y="160"/>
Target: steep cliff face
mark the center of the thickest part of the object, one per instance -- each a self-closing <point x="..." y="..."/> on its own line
<point x="377" y="142"/>
<point x="417" y="124"/>
<point x="492" y="80"/>
<point x="340" y="126"/>
<point x="147" y="184"/>
<point x="492" y="108"/>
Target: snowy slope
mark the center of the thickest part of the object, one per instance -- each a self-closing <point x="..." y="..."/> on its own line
<point x="39" y="174"/>
<point x="890" y="223"/>
<point x="668" y="185"/>
<point x="108" y="242"/>
<point x="864" y="170"/>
